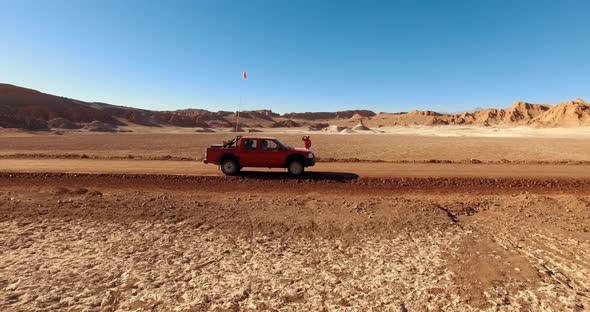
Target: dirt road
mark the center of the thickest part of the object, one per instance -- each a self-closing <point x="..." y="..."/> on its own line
<point x="359" y="169"/>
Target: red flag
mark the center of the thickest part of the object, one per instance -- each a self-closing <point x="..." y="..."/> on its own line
<point x="244" y="75"/>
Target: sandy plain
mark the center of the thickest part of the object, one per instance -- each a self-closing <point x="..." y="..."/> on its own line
<point x="399" y="144"/>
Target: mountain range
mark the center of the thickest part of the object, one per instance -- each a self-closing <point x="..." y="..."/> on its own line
<point x="29" y="109"/>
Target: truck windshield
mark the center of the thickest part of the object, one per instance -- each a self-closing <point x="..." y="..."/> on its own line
<point x="283" y="145"/>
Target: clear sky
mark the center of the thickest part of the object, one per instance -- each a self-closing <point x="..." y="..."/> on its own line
<point x="299" y="55"/>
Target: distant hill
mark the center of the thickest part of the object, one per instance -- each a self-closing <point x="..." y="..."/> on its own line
<point x="330" y="115"/>
<point x="29" y="109"/>
<point x="33" y="110"/>
<point x="569" y="114"/>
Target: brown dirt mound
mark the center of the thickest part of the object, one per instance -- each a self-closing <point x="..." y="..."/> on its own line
<point x="264" y="114"/>
<point x="423" y="113"/>
<point x="62" y="123"/>
<point x="568" y="114"/>
<point x="433" y="121"/>
<point x="522" y="111"/>
<point x="285" y="124"/>
<point x="335" y="129"/>
<point x="360" y="126"/>
<point x="318" y="126"/>
<point x="357" y="116"/>
<point x="219" y="124"/>
<point x="97" y="126"/>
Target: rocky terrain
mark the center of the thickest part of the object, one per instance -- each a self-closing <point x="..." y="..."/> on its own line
<point x="107" y="242"/>
<point x="32" y="110"/>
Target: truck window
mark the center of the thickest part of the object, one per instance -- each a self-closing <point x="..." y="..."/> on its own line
<point x="250" y="144"/>
<point x="269" y="145"/>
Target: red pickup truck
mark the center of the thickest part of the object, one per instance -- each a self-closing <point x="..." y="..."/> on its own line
<point x="267" y="152"/>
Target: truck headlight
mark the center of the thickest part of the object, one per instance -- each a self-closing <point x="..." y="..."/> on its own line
<point x="310" y="155"/>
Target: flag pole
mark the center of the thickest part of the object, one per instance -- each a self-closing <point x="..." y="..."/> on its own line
<point x="244" y="76"/>
<point x="238" y="115"/>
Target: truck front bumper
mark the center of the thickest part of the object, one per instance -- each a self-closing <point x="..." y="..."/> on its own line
<point x="309" y="162"/>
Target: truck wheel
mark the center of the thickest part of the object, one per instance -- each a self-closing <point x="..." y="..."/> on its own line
<point x="296" y="168"/>
<point x="230" y="167"/>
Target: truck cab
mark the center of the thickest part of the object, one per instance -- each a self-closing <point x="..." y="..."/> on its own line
<point x="266" y="152"/>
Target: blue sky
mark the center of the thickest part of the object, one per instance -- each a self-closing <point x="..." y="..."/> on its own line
<point x="299" y="55"/>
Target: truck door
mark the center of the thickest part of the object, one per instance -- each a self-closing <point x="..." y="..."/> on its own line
<point x="272" y="154"/>
<point x="249" y="152"/>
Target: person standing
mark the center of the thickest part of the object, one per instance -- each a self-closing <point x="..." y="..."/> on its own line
<point x="307" y="141"/>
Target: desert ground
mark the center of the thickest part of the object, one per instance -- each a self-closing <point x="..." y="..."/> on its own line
<point x="429" y="219"/>
<point x="396" y="144"/>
